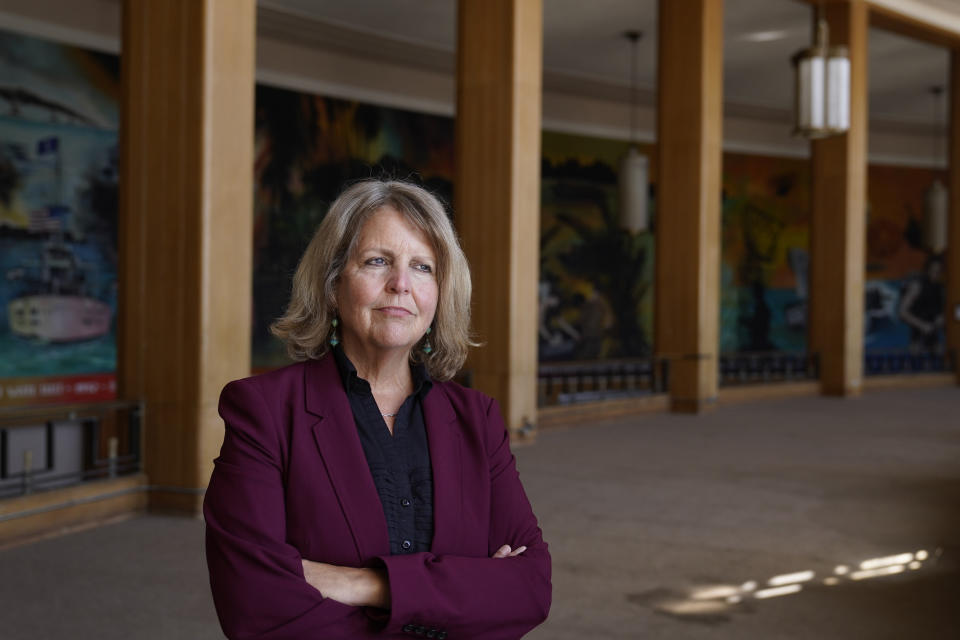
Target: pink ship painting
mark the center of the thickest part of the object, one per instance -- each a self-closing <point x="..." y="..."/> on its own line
<point x="55" y="305"/>
<point x="58" y="310"/>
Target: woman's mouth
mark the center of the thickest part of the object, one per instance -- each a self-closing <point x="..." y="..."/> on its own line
<point x="395" y="312"/>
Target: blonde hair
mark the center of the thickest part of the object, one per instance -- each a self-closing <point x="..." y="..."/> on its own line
<point x="306" y="324"/>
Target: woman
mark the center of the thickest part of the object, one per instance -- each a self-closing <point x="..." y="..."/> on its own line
<point x="359" y="493"/>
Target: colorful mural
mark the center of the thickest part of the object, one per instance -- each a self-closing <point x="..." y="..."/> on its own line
<point x="58" y="206"/>
<point x="905" y="290"/>
<point x="766" y="225"/>
<point x="58" y="221"/>
<point x="765" y="240"/>
<point x="307" y="148"/>
<point x="596" y="279"/>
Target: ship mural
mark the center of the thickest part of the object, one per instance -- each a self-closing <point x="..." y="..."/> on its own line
<point x="57" y="305"/>
<point x="58" y="222"/>
<point x="59" y="309"/>
<point x="57" y="252"/>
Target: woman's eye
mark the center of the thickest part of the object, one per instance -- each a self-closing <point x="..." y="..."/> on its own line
<point x="425" y="268"/>
<point x="377" y="262"/>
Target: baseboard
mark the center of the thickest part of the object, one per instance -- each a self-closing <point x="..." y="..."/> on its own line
<point x="587" y="413"/>
<point x="910" y="381"/>
<point x="767" y="391"/>
<point x="47" y="513"/>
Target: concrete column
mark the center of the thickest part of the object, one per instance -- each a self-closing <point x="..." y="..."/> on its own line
<point x="185" y="228"/>
<point x="838" y="228"/>
<point x="690" y="139"/>
<point x="497" y="208"/>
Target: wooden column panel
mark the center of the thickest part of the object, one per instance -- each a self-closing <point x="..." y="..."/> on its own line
<point x="951" y="320"/>
<point x="497" y="208"/>
<point x="838" y="228"/>
<point x="690" y="140"/>
<point x="185" y="227"/>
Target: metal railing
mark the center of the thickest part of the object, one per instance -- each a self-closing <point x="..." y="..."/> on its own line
<point x="769" y="366"/>
<point x="44" y="448"/>
<point x="573" y="382"/>
<point x="752" y="368"/>
<point x="878" y="362"/>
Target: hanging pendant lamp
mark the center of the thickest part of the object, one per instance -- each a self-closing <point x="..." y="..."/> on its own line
<point x="822" y="88"/>
<point x="838" y="90"/>
<point x="632" y="174"/>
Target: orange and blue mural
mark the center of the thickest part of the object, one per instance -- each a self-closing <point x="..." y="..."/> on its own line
<point x="766" y="231"/>
<point x="905" y="290"/>
<point x="765" y="239"/>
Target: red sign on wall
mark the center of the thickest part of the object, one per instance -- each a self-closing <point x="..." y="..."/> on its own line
<point x="91" y="387"/>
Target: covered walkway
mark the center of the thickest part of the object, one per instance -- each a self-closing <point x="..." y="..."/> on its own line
<point x="665" y="526"/>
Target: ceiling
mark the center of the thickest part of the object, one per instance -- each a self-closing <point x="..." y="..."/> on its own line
<point x="585" y="53"/>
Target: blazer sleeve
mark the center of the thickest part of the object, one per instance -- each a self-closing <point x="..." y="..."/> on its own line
<point x="479" y="598"/>
<point x="256" y="577"/>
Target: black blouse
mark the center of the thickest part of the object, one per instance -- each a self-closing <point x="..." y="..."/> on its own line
<point x="399" y="464"/>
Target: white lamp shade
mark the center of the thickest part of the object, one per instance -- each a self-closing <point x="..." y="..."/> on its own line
<point x="936" y="209"/>
<point x="838" y="91"/>
<point x="822" y="87"/>
<point x="810" y="103"/>
<point x="633" y="191"/>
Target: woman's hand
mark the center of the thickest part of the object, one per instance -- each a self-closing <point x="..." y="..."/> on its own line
<point x="349" y="585"/>
<point x="506" y="552"/>
<point x="363" y="587"/>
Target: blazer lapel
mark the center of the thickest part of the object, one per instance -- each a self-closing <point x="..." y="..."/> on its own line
<point x="443" y="436"/>
<point x="339" y="445"/>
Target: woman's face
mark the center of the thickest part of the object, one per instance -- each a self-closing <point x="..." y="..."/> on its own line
<point x="387" y="293"/>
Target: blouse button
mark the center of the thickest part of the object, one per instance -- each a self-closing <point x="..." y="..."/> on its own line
<point x="406" y="544"/>
<point x="405" y="502"/>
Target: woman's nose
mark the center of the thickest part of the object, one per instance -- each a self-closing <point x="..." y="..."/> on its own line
<point x="399" y="281"/>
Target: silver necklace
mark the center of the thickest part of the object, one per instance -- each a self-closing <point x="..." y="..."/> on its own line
<point x="389" y="415"/>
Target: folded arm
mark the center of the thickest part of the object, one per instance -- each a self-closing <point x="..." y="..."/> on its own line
<point x="257" y="578"/>
<point x="498" y="596"/>
<point x="363" y="587"/>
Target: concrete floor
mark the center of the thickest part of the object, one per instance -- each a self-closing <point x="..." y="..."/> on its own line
<point x="640" y="514"/>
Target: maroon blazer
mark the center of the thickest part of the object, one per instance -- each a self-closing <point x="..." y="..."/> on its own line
<point x="292" y="482"/>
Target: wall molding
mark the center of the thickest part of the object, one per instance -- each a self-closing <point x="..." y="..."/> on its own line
<point x="60" y="33"/>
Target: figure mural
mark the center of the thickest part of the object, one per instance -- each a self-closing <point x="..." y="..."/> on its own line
<point x="922" y="305"/>
<point x="596" y="278"/>
<point x="905" y="289"/>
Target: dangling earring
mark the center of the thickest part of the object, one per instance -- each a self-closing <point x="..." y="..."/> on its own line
<point x="334" y="340"/>
<point x="426" y="342"/>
